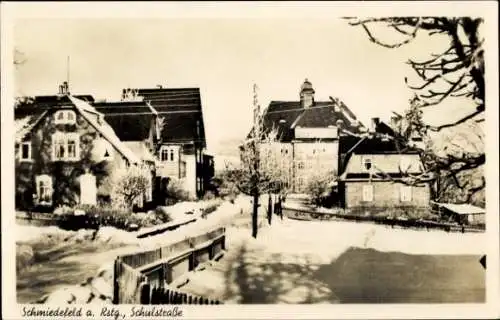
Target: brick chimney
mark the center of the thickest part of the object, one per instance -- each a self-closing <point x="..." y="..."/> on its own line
<point x="375" y="123"/>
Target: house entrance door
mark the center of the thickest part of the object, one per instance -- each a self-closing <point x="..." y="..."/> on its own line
<point x="88" y="189"/>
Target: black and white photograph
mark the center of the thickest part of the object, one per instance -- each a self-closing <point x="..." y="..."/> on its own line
<point x="260" y="156"/>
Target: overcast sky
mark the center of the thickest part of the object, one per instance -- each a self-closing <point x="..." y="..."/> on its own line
<point x="223" y="57"/>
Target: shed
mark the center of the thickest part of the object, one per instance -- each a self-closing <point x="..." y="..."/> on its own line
<point x="462" y="213"/>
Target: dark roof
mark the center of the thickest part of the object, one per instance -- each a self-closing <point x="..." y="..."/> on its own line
<point x="376" y="145"/>
<point x="131" y="121"/>
<point x="286" y="111"/>
<point x="320" y="115"/>
<point x="383" y="128"/>
<point x="37" y="104"/>
<point x="182" y="110"/>
<point x="393" y="175"/>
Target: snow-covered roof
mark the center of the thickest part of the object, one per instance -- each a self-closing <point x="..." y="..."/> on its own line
<point x="140" y="149"/>
<point x="104" y="128"/>
<point x="462" y="209"/>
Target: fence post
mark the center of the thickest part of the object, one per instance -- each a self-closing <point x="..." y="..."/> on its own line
<point x="145" y="293"/>
<point x="116" y="272"/>
<point x="223" y="244"/>
<point x="211" y="251"/>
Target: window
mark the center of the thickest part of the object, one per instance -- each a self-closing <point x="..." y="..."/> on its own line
<point x="164" y="155"/>
<point x="149" y="191"/>
<point x="65" y="117"/>
<point x="367" y="163"/>
<point x="405" y="193"/>
<point x="198" y="183"/>
<point x="300" y="182"/>
<point x="26" y="151"/>
<point x="44" y="189"/>
<point x="368" y="192"/>
<point x="182" y="171"/>
<point x="171" y="155"/>
<point x="301" y="165"/>
<point x="65" y="146"/>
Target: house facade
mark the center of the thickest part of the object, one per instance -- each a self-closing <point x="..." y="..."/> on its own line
<point x="165" y="124"/>
<point x="375" y="180"/>
<point x="308" y="133"/>
<point x="66" y="153"/>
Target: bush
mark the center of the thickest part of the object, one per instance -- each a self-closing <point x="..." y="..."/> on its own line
<point x="95" y="217"/>
<point x="128" y="186"/>
<point x="209" y="195"/>
<point x="176" y="192"/>
<point x="162" y="215"/>
<point x="208" y="210"/>
<point x="319" y="189"/>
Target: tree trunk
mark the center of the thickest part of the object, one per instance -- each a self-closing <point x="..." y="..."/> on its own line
<point x="269" y="209"/>
<point x="255" y="211"/>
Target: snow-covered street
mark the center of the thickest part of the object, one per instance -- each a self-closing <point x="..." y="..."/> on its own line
<point x="291" y="261"/>
<point x="331" y="262"/>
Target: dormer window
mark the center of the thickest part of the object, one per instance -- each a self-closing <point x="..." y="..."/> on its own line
<point x="367" y="164"/>
<point x="65" y="117"/>
<point x="25" y="151"/>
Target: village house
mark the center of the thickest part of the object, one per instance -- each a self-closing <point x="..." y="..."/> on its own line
<point x="66" y="152"/>
<point x="374" y="171"/>
<point x="308" y="133"/>
<point x="165" y="124"/>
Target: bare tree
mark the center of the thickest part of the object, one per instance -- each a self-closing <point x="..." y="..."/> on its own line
<point x="260" y="171"/>
<point x="458" y="71"/>
<point x="455" y="72"/>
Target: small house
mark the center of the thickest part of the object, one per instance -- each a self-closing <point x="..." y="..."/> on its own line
<point x="377" y="177"/>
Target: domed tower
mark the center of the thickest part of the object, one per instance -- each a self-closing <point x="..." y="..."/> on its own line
<point x="306" y="94"/>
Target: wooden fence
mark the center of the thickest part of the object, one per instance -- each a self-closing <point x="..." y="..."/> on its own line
<point x="301" y="214"/>
<point x="165" y="295"/>
<point x="135" y="274"/>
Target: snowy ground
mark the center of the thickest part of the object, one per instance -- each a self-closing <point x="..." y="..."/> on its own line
<point x="49" y="258"/>
<point x="331" y="262"/>
<point x="290" y="261"/>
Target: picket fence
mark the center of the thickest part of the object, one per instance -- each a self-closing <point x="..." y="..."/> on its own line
<point x="165" y="295"/>
<point x="143" y="277"/>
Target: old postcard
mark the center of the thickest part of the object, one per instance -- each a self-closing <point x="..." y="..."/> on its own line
<point x="250" y="160"/>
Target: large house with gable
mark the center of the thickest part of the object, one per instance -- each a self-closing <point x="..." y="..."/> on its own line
<point x="69" y="148"/>
<point x="308" y="134"/>
<point x="370" y="165"/>
<point x="66" y="152"/>
<point x="165" y="124"/>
